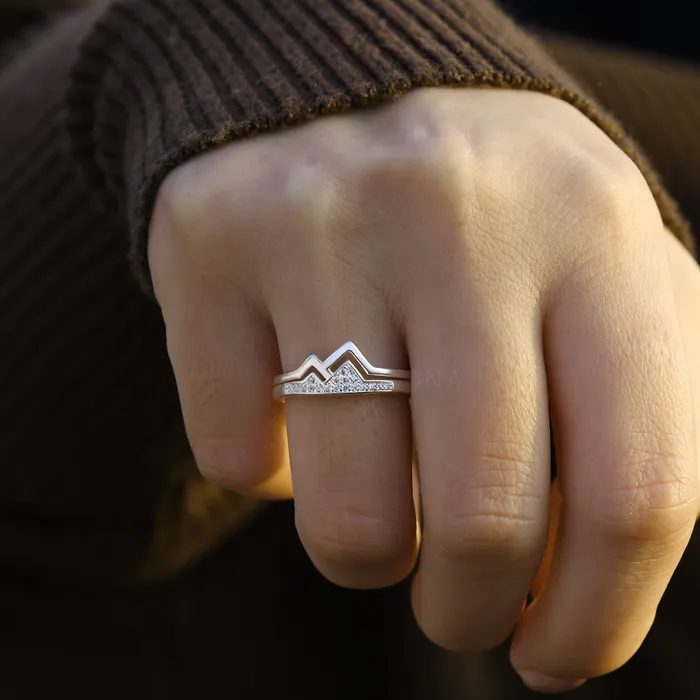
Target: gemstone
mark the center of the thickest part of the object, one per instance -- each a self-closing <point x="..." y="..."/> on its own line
<point x="345" y="380"/>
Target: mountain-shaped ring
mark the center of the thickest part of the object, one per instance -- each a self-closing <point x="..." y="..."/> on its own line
<point x="345" y="372"/>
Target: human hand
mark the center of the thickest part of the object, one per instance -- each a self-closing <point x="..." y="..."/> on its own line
<point x="502" y="247"/>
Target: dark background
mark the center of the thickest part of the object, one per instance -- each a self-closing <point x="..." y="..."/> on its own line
<point x="665" y="27"/>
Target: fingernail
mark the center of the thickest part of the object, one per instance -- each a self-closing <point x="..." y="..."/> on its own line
<point x="546" y="684"/>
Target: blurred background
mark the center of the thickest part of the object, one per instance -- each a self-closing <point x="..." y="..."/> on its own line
<point x="635" y="24"/>
<point x="627" y="22"/>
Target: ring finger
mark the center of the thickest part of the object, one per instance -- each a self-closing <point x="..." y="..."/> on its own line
<point x="350" y="455"/>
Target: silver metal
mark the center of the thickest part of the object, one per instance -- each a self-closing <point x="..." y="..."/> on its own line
<point x="346" y="371"/>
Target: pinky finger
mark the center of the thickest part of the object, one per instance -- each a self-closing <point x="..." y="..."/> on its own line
<point x="225" y="357"/>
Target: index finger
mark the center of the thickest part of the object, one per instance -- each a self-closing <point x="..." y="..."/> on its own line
<point x="623" y="424"/>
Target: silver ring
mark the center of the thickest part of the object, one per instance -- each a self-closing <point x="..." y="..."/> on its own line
<point x="346" y="371"/>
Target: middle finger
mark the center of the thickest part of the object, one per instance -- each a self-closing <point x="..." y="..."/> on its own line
<point x="480" y="412"/>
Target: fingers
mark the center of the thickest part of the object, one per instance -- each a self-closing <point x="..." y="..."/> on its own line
<point x="351" y="457"/>
<point x="622" y="419"/>
<point x="224" y="355"/>
<point x="685" y="274"/>
<point x="337" y="256"/>
<point x="480" y="413"/>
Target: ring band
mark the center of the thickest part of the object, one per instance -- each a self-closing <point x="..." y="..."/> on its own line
<point x="346" y="371"/>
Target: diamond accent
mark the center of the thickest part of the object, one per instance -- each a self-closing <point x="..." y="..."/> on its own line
<point x="345" y="380"/>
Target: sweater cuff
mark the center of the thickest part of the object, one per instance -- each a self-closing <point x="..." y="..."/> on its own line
<point x="159" y="81"/>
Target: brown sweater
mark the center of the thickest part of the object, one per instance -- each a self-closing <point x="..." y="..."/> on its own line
<point x="96" y="107"/>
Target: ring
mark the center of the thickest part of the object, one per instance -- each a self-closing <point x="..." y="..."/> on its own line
<point x="346" y="371"/>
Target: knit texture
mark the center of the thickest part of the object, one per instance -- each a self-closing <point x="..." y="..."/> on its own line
<point x="161" y="80"/>
<point x="97" y="477"/>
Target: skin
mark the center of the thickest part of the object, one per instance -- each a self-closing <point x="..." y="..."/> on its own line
<point x="503" y="248"/>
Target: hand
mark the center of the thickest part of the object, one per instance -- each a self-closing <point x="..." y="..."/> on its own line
<point x="499" y="245"/>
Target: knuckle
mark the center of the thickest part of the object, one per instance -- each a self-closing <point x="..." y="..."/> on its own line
<point x="604" y="198"/>
<point x="419" y="173"/>
<point x="654" y="499"/>
<point x="349" y="536"/>
<point x="204" y="219"/>
<point x="497" y="515"/>
<point x="489" y="535"/>
<point x="422" y="149"/>
<point x="185" y="197"/>
<point x="611" y="194"/>
<point x="425" y="127"/>
<point x="432" y="146"/>
<point x="316" y="210"/>
<point x="308" y="190"/>
<point x="230" y="463"/>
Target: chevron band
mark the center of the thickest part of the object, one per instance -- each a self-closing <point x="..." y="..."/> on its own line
<point x="346" y="371"/>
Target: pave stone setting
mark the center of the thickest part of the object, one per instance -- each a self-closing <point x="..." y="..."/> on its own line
<point x="345" y="380"/>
